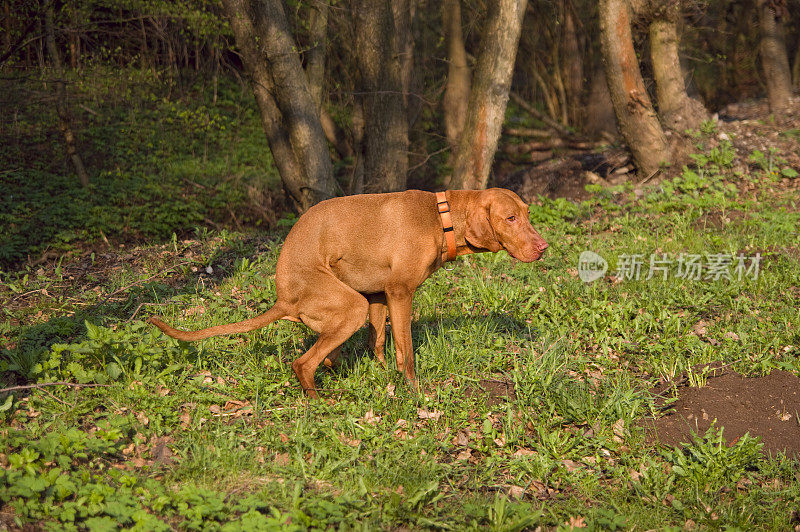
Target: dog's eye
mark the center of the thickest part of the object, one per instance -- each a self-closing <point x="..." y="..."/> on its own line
<point x="511" y="218"/>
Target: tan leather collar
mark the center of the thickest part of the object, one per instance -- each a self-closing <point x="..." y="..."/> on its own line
<point x="447" y="225"/>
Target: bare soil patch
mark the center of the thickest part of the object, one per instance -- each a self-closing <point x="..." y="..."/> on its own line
<point x="495" y="391"/>
<point x="716" y="220"/>
<point x="767" y="407"/>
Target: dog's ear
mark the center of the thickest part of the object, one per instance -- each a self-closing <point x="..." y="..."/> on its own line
<point x="480" y="232"/>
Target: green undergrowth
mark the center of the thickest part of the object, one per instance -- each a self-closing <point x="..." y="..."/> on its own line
<point x="534" y="383"/>
<point x="163" y="158"/>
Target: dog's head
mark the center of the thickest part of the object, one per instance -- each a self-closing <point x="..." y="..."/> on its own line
<point x="500" y="221"/>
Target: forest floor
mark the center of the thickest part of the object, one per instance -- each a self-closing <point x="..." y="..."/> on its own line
<point x="546" y="401"/>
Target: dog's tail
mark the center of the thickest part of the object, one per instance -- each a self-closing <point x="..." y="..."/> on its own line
<point x="275" y="313"/>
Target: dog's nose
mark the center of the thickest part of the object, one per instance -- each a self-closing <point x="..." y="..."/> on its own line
<point x="543" y="246"/>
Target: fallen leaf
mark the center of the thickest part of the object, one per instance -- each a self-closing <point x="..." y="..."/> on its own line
<point x="215" y="409"/>
<point x="390" y="389"/>
<point x="576" y="521"/>
<point x="352" y="442"/>
<point x="619" y="430"/>
<point x="732" y="335"/>
<point x="142" y="418"/>
<point x="282" y="459"/>
<point x="519" y="453"/>
<point x="429" y="414"/>
<point x="500" y="441"/>
<point x="571" y="465"/>
<point x="371" y="418"/>
<point x="516" y="492"/>
<point x="284" y="438"/>
<point x="466" y="454"/>
<point x="461" y="439"/>
<point x="401" y="423"/>
<point x="700" y="328"/>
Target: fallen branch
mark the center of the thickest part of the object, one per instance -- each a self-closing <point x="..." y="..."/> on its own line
<point x="538" y="114"/>
<point x="527" y="132"/>
<point x="526" y="147"/>
<point x="115" y="292"/>
<point x="42" y="385"/>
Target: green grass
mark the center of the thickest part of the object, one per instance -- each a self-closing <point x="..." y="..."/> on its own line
<point x="217" y="435"/>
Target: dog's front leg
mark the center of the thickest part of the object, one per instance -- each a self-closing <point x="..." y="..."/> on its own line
<point x="398" y="299"/>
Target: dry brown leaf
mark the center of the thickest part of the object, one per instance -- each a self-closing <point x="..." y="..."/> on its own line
<point x="390" y="389"/>
<point x="519" y="453"/>
<point x="142" y="418"/>
<point x="371" y="418"/>
<point x="466" y="454"/>
<point x="284" y="438"/>
<point x="461" y="439"/>
<point x="516" y="492"/>
<point x="571" y="465"/>
<point x="282" y="459"/>
<point x="700" y="328"/>
<point x="619" y="430"/>
<point x="429" y="414"/>
<point x="352" y="442"/>
<point x="576" y="521"/>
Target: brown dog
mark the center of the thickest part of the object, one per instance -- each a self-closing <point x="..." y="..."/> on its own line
<point x="354" y="256"/>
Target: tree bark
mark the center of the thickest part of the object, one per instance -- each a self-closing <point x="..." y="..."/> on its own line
<point x="62" y="103"/>
<point x="774" y="58"/>
<point x="600" y="116"/>
<point x="385" y="143"/>
<point x="489" y="95"/>
<point x="456" y="93"/>
<point x="678" y="111"/>
<point x="288" y="113"/>
<point x="796" y="67"/>
<point x="635" y="115"/>
<point x="572" y="61"/>
<point x="315" y="57"/>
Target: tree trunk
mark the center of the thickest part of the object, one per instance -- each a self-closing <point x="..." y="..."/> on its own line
<point x="774" y="58"/>
<point x="635" y="115"/>
<point x="385" y="144"/>
<point x="62" y="103"/>
<point x="600" y="117"/>
<point x="572" y="60"/>
<point x="456" y="93"/>
<point x="318" y="41"/>
<point x="489" y="95"/>
<point x="676" y="108"/>
<point x="796" y="67"/>
<point x="7" y="20"/>
<point x="288" y="113"/>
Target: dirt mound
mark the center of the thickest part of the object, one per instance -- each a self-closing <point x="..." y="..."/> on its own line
<point x="768" y="407"/>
